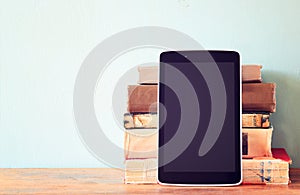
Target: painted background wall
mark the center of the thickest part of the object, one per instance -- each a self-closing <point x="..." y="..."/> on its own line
<point x="43" y="43"/>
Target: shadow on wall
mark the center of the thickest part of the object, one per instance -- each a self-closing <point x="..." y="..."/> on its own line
<point x="286" y="120"/>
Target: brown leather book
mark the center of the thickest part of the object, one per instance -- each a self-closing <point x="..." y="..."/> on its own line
<point x="251" y="73"/>
<point x="259" y="97"/>
<point x="142" y="98"/>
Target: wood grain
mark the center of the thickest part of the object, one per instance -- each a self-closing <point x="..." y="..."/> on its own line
<point x="110" y="181"/>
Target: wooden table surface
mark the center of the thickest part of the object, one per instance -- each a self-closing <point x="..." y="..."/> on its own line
<point x="110" y="181"/>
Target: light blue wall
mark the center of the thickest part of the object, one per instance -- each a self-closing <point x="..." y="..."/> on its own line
<point x="43" y="43"/>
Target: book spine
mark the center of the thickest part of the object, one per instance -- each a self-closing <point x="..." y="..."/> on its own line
<point x="256" y="142"/>
<point x="140" y="171"/>
<point x="256" y="120"/>
<point x="259" y="97"/>
<point x="142" y="98"/>
<point x="140" y="144"/>
<point x="136" y="121"/>
<point x="148" y="75"/>
<point x="265" y="172"/>
<point x="255" y="171"/>
<point x="251" y="73"/>
<point x="150" y="120"/>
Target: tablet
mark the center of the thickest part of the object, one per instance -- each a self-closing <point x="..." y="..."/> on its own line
<point x="199" y="118"/>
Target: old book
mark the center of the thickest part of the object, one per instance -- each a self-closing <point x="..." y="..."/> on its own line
<point x="251" y="73"/>
<point x="140" y="143"/>
<point x="142" y="98"/>
<point x="263" y="171"/>
<point x="259" y="97"/>
<point x="136" y="121"/>
<point x="148" y="74"/>
<point x="140" y="171"/>
<point x="150" y="120"/>
<point x="281" y="153"/>
<point x="267" y="170"/>
<point x="256" y="142"/>
<point x="256" y="120"/>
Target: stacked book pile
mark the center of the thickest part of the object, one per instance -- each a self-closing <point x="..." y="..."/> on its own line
<point x="261" y="164"/>
<point x="140" y="123"/>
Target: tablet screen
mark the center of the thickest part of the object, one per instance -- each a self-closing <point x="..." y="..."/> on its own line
<point x="199" y="110"/>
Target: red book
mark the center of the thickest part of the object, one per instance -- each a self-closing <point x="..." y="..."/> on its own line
<point x="280" y="153"/>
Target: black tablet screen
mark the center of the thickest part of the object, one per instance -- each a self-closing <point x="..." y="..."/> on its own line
<point x="199" y="113"/>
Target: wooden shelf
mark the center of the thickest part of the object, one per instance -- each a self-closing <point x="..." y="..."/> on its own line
<point x="110" y="181"/>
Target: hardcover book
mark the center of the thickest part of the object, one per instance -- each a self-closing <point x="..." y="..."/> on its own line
<point x="139" y="171"/>
<point x="261" y="170"/>
<point x="259" y="97"/>
<point x="251" y="73"/>
<point x="256" y="142"/>
<point x="260" y="120"/>
<point x="142" y="98"/>
<point x="140" y="143"/>
<point x="150" y="120"/>
<point x="267" y="170"/>
<point x="135" y="121"/>
<point x="148" y="74"/>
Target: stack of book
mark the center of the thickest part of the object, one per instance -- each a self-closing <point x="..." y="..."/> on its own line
<point x="261" y="164"/>
<point x="258" y="101"/>
<point x="140" y="123"/>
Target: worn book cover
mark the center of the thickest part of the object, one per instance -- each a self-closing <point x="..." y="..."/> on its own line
<point x="148" y="74"/>
<point x="260" y="170"/>
<point x="251" y="73"/>
<point x="140" y="143"/>
<point x="136" y="120"/>
<point x="142" y="98"/>
<point x="256" y="142"/>
<point x="139" y="171"/>
<point x="259" y="97"/>
<point x="261" y="120"/>
<point x="150" y="120"/>
<point x="267" y="170"/>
